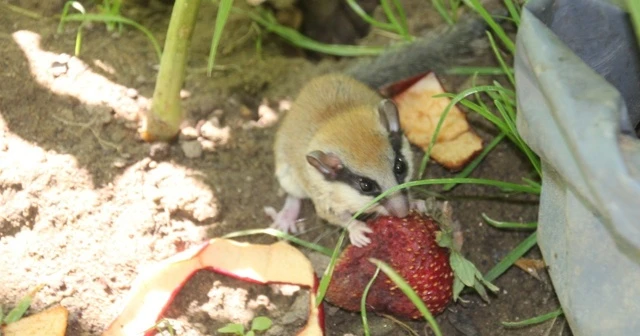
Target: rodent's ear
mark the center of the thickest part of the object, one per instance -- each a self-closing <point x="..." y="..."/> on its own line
<point x="389" y="115"/>
<point x="328" y="165"/>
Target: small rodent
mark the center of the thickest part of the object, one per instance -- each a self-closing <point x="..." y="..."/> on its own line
<point x="341" y="144"/>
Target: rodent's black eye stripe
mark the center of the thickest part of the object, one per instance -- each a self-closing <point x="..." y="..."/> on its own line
<point x="363" y="185"/>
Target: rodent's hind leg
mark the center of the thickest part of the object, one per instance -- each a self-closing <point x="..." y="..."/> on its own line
<point x="285" y="219"/>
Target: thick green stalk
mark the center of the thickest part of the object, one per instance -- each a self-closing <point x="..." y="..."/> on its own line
<point x="162" y="121"/>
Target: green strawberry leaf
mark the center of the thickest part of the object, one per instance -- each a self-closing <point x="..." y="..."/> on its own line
<point x="250" y="333"/>
<point x="261" y="323"/>
<point x="463" y="268"/>
<point x="444" y="239"/>
<point x="481" y="291"/>
<point x="458" y="286"/>
<point x="466" y="274"/>
<point x="488" y="284"/>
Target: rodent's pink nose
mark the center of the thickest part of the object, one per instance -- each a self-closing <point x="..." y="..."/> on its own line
<point x="397" y="205"/>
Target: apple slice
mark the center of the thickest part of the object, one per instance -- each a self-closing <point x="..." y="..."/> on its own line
<point x="420" y="113"/>
<point x="155" y="288"/>
<point x="50" y="322"/>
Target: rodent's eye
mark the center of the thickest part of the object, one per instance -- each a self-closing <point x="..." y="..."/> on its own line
<point x="399" y="167"/>
<point x="366" y="185"/>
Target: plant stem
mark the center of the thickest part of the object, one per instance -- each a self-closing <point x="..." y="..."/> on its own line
<point x="162" y="121"/>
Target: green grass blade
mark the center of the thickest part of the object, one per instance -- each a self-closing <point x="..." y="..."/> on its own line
<point x="281" y="235"/>
<point x="442" y="10"/>
<point x="20" y="309"/>
<point x="65" y="11"/>
<point x="470" y="70"/>
<point x="363" y="302"/>
<point x="514" y="11"/>
<point x="78" y="45"/>
<point x="470" y="167"/>
<point x="456" y="99"/>
<point x="410" y="293"/>
<point x="507" y="70"/>
<point x="427" y="154"/>
<point x="531" y="182"/>
<point x="511" y="258"/>
<point x="221" y="19"/>
<point x="504" y="186"/>
<point x="368" y="18"/>
<point x="391" y="16"/>
<point x="534" y="320"/>
<point x="328" y="273"/>
<point x="402" y="15"/>
<point x="504" y="38"/>
<point x="115" y="18"/>
<point x="510" y="225"/>
<point x="297" y="39"/>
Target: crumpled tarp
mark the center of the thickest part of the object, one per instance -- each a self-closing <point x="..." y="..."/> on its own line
<point x="577" y="73"/>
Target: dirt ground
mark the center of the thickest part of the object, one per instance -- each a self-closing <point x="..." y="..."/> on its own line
<point x="84" y="203"/>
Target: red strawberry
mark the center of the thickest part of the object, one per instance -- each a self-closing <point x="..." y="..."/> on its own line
<point x="409" y="246"/>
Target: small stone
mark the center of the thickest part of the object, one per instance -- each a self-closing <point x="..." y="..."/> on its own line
<point x="268" y="116"/>
<point x="284" y="105"/>
<point x="101" y="113"/>
<point x="207" y="145"/>
<point x="213" y="133"/>
<point x="218" y="113"/>
<point x="132" y="93"/>
<point x="58" y="69"/>
<point x="189" y="133"/>
<point x="184" y="94"/>
<point x="159" y="150"/>
<point x="246" y="112"/>
<point x="191" y="149"/>
<point x="119" y="163"/>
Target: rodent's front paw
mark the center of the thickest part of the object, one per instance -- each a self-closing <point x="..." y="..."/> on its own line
<point x="357" y="233"/>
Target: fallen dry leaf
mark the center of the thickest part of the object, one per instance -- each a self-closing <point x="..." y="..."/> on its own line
<point x="156" y="287"/>
<point x="50" y="322"/>
<point x="420" y="113"/>
<point x="531" y="266"/>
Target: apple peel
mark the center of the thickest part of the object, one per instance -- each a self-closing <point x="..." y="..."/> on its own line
<point x="420" y="112"/>
<point x="155" y="288"/>
<point x="50" y="322"/>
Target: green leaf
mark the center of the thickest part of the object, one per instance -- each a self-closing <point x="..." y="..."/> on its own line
<point x="444" y="239"/>
<point x="458" y="286"/>
<point x="115" y="18"/>
<point x="16" y="313"/>
<point x="221" y="19"/>
<point x="534" y="320"/>
<point x="250" y="333"/>
<point x="511" y="258"/>
<point x="279" y="234"/>
<point x="232" y="328"/>
<point x="509" y="225"/>
<point x="481" y="291"/>
<point x="463" y="269"/>
<point x="261" y="323"/>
